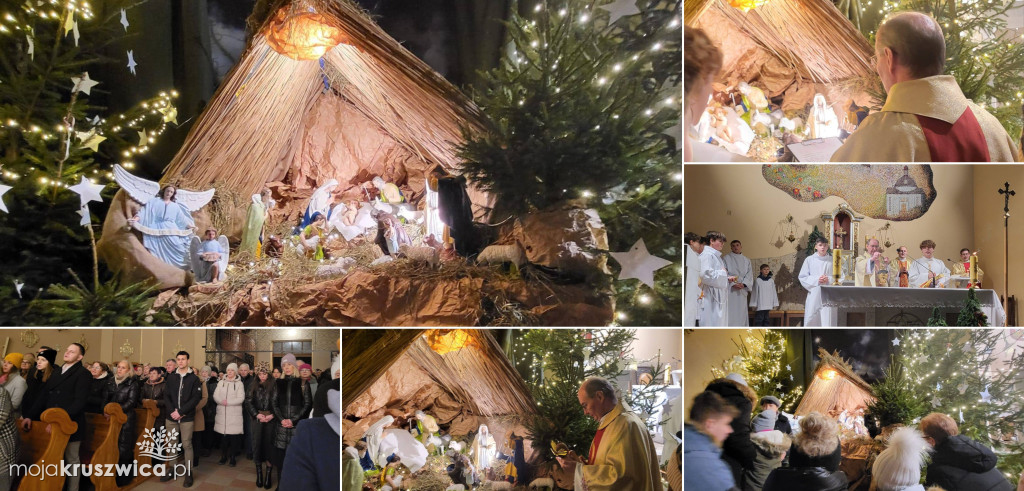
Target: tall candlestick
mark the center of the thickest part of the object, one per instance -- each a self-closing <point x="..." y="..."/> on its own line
<point x="836" y="256"/>
<point x="974" y="270"/>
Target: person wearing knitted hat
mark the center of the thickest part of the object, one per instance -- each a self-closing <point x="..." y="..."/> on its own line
<point x="12" y="381"/>
<point x="229" y="396"/>
<point x="782" y="422"/>
<point x="771" y="447"/>
<point x="958" y="462"/>
<point x="814" y="459"/>
<point x="259" y="406"/>
<point x="898" y="467"/>
<point x="44" y="370"/>
<point x="292" y="402"/>
<point x="306" y="374"/>
<point x="738" y="451"/>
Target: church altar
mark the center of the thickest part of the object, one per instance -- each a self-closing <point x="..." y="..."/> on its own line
<point x="853" y="306"/>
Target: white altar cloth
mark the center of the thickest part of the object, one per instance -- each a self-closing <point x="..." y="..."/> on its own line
<point x="834" y="298"/>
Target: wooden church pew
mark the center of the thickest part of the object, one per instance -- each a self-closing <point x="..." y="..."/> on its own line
<point x="41" y="448"/>
<point x="145" y="417"/>
<point x="99" y="443"/>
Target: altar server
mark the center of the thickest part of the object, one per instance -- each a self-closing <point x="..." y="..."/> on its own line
<point x="739" y="266"/>
<point x="714" y="279"/>
<point x="816" y="271"/>
<point x="928" y="271"/>
<point x="691" y="298"/>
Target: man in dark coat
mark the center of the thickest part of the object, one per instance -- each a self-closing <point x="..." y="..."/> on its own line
<point x="68" y="389"/>
<point x="959" y="463"/>
<point x="738" y="450"/>
<point x="313" y="460"/>
<point x="181" y="396"/>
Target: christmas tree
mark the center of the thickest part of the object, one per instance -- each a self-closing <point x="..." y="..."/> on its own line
<point x="981" y="53"/>
<point x="760" y="359"/>
<point x="811" y="239"/>
<point x="936" y="320"/>
<point x="973" y="376"/>
<point x="895" y="402"/>
<point x="971" y="314"/>
<point x="581" y="111"/>
<point x="554" y="362"/>
<point x="57" y="133"/>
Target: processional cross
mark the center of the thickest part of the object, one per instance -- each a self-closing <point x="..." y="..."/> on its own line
<point x="1006" y="192"/>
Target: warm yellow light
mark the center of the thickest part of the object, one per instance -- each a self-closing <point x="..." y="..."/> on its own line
<point x="303" y="35"/>
<point x="447" y="340"/>
<point x="746" y="5"/>
<point x="827" y="374"/>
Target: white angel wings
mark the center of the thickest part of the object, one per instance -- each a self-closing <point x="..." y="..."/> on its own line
<point x="143" y="190"/>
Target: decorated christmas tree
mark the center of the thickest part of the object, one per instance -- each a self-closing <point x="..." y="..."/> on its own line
<point x="554" y="362"/>
<point x="896" y="401"/>
<point x="971" y="314"/>
<point x="584" y="111"/>
<point x="982" y="54"/>
<point x="761" y="361"/>
<point x="811" y="239"/>
<point x="59" y="146"/>
<point x="974" y="377"/>
<point x="936" y="320"/>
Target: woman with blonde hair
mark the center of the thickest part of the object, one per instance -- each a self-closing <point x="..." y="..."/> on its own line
<point x="814" y="459"/>
<point x="125" y="390"/>
<point x="959" y="463"/>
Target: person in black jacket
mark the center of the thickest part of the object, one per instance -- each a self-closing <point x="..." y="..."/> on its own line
<point x="181" y="396"/>
<point x="814" y="459"/>
<point x="738" y="450"/>
<point x="99" y="388"/>
<point x="782" y="422"/>
<point x="153" y="389"/>
<point x="959" y="463"/>
<point x="246" y="375"/>
<point x="292" y="403"/>
<point x="259" y="407"/>
<point x="44" y="369"/>
<point x="124" y="391"/>
<point x="68" y="389"/>
<point x="211" y="439"/>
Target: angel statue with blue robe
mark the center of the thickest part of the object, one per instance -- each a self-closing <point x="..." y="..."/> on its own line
<point x="165" y="219"/>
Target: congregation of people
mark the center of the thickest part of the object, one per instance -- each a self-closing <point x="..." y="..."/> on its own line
<point x="925" y="117"/>
<point x="735" y="441"/>
<point x="723" y="289"/>
<point x="286" y="420"/>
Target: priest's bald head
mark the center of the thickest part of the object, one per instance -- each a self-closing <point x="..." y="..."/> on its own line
<point x="597" y="396"/>
<point x="909" y="46"/>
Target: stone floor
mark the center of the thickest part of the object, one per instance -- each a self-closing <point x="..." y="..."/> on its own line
<point x="209" y="476"/>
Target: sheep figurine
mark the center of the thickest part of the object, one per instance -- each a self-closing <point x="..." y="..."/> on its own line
<point x="498" y="254"/>
<point x="455" y="487"/>
<point x="428" y="254"/>
<point x="542" y="482"/>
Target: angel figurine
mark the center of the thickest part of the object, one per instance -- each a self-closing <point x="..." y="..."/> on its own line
<point x="209" y="257"/>
<point x="165" y="219"/>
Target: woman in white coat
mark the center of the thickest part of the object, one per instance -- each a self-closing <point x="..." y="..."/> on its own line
<point x="229" y="396"/>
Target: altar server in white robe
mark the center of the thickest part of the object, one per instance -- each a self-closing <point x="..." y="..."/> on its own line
<point x="739" y="266"/>
<point x="691" y="300"/>
<point x="816" y="271"/>
<point x="714" y="279"/>
<point x="928" y="271"/>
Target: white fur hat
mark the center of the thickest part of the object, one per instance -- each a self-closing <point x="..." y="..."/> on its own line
<point x="899" y="465"/>
<point x="735" y="377"/>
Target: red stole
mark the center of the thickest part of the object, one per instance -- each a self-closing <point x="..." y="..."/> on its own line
<point x="594" y="445"/>
<point x="904" y="274"/>
<point x="962" y="141"/>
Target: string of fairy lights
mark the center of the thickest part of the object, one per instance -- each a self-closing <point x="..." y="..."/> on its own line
<point x="148" y="119"/>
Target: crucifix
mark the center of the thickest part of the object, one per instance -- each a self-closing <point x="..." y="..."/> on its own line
<point x="1006" y="192"/>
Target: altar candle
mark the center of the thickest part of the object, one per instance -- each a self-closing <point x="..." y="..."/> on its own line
<point x="974" y="269"/>
<point x="836" y="255"/>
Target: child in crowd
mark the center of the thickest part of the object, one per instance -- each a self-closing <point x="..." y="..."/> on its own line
<point x="771" y="445"/>
<point x="763" y="296"/>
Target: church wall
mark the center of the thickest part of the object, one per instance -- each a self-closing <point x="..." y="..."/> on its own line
<point x="668" y="341"/>
<point x="705" y="348"/>
<point x="737" y="201"/>
<point x="988" y="224"/>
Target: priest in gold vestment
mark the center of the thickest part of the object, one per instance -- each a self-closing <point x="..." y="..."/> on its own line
<point x="622" y="455"/>
<point x="900" y="274"/>
<point x="963" y="268"/>
<point x="869" y="264"/>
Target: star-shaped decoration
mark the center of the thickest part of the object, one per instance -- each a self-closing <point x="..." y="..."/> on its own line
<point x="31" y="46"/>
<point x="896" y="341"/>
<point x="967" y="347"/>
<point x="83" y="83"/>
<point x="17" y="286"/>
<point x="985" y="396"/>
<point x="791" y="377"/>
<point x="170" y="114"/>
<point x="962" y="388"/>
<point x="124" y="20"/>
<point x="3" y="190"/>
<point x="74" y="31"/>
<point x="938" y="385"/>
<point x="84" y="213"/>
<point x="638" y="263"/>
<point x="69" y="22"/>
<point x="936" y="402"/>
<point x="676" y="132"/>
<point x="95" y="120"/>
<point x="619" y="9"/>
<point x="788" y="368"/>
<point x="92" y="140"/>
<point x="88" y="191"/>
<point x="143" y="138"/>
<point x="778" y="386"/>
<point x="131" y="61"/>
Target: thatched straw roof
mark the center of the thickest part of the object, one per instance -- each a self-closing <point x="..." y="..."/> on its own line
<point x="834" y="387"/>
<point x="478" y="375"/>
<point x="811" y="36"/>
<point x="247" y="134"/>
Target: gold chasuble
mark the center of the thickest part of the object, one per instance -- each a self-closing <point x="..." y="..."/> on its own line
<point x="622" y="456"/>
<point x="929" y="120"/>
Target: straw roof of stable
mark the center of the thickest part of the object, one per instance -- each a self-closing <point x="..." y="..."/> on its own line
<point x="845" y="390"/>
<point x="812" y="36"/>
<point x="478" y="375"/>
<point x="246" y="133"/>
